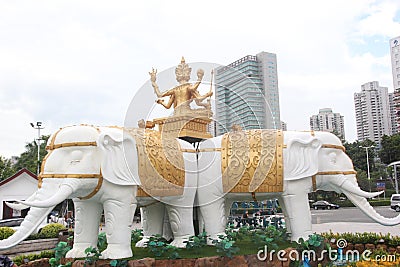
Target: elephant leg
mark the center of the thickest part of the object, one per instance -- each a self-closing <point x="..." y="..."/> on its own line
<point x="285" y="214"/>
<point x="297" y="208"/>
<point x="213" y="215"/>
<point x="167" y="232"/>
<point x="181" y="221"/>
<point x="87" y="220"/>
<point x="228" y="206"/>
<point x="152" y="217"/>
<point x="119" y="217"/>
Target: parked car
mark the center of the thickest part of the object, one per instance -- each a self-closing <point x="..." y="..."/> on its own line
<point x="13" y="222"/>
<point x="396" y="207"/>
<point x="395" y="202"/>
<point x="322" y="204"/>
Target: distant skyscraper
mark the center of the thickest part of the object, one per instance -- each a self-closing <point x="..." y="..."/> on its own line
<point x="372" y="112"/>
<point x="393" y="113"/>
<point x="328" y="121"/>
<point x="247" y="93"/>
<point x="395" y="56"/>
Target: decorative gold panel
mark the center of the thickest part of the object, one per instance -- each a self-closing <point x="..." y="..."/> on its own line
<point x="161" y="165"/>
<point x="252" y="161"/>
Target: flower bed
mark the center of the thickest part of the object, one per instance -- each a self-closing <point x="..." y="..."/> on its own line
<point x="246" y="247"/>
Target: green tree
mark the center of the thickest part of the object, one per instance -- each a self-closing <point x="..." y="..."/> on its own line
<point x="390" y="148"/>
<point x="358" y="154"/>
<point x="6" y="168"/>
<point x="28" y="159"/>
<point x="335" y="132"/>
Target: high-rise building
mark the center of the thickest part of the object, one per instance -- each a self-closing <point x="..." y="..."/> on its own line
<point x="372" y="112"/>
<point x="247" y="93"/>
<point x="328" y="121"/>
<point x="393" y="114"/>
<point x="395" y="56"/>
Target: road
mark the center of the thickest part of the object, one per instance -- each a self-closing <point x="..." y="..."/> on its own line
<point x="352" y="220"/>
<point x="348" y="215"/>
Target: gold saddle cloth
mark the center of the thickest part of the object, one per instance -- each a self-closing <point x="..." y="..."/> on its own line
<point x="251" y="161"/>
<point x="161" y="166"/>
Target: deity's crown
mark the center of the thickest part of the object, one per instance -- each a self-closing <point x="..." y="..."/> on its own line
<point x="183" y="71"/>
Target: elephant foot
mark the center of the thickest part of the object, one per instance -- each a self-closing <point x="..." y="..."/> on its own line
<point x="214" y="237"/>
<point x="115" y="251"/>
<point x="179" y="241"/>
<point x="78" y="250"/>
<point x="142" y="243"/>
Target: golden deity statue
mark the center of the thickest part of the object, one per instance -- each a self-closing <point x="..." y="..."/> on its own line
<point x="183" y="94"/>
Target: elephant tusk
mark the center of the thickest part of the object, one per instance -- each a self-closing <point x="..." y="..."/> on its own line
<point x="16" y="206"/>
<point x="355" y="189"/>
<point x="63" y="193"/>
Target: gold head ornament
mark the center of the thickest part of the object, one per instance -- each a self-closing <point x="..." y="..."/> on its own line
<point x="183" y="71"/>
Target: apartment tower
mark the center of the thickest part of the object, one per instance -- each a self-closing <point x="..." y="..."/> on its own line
<point x="328" y="121"/>
<point x="395" y="56"/>
<point x="372" y="112"/>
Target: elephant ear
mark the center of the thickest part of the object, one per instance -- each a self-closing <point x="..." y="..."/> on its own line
<point x="302" y="158"/>
<point x="118" y="157"/>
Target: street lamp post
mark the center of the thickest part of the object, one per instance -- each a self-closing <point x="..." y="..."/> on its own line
<point x="395" y="164"/>
<point x="38" y="127"/>
<point x="368" y="175"/>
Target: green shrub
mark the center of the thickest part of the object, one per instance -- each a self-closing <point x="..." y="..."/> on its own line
<point x="159" y="247"/>
<point x="18" y="260"/>
<point x="6" y="232"/>
<point x="102" y="241"/>
<point x="225" y="246"/>
<point x="197" y="242"/>
<point x="51" y="230"/>
<point x="136" y="235"/>
<point x="59" y="252"/>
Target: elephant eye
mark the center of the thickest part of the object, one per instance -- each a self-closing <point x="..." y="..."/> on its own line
<point x="76" y="156"/>
<point x="332" y="157"/>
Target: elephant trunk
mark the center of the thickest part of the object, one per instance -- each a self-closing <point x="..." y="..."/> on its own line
<point x="365" y="207"/>
<point x="33" y="220"/>
<point x="359" y="198"/>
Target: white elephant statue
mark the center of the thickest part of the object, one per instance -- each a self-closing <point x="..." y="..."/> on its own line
<point x="311" y="160"/>
<point x="98" y="168"/>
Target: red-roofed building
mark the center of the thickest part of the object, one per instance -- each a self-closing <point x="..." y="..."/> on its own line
<point x="17" y="187"/>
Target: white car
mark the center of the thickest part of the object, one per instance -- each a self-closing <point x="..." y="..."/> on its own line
<point x="396" y="207"/>
<point x="395" y="202"/>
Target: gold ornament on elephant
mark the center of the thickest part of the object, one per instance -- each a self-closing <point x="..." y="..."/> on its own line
<point x="161" y="165"/>
<point x="251" y="161"/>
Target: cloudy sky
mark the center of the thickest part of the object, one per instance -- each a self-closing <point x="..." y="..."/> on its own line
<point x="69" y="62"/>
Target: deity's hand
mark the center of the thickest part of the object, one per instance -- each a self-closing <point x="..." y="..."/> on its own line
<point x="153" y="74"/>
<point x="200" y="74"/>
